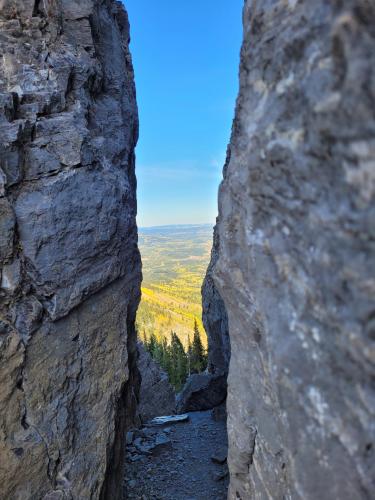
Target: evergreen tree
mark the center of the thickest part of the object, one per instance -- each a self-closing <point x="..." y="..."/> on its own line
<point x="189" y="355"/>
<point x="166" y="359"/>
<point x="178" y="370"/>
<point x="158" y="352"/>
<point x="198" y="356"/>
<point x="171" y="357"/>
<point x="182" y="364"/>
<point x="151" y="345"/>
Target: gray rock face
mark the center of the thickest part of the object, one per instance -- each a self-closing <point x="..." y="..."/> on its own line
<point x="70" y="274"/>
<point x="156" y="395"/>
<point x="202" y="391"/>
<point x="296" y="259"/>
<point x="215" y="318"/>
<point x="205" y="391"/>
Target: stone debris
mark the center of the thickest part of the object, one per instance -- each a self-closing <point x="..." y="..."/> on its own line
<point x="177" y="464"/>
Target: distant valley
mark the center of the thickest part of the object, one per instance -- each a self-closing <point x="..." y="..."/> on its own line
<point x="175" y="259"/>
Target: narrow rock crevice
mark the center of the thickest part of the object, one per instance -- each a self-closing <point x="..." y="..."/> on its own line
<point x="288" y="297"/>
<point x="126" y="417"/>
<point x="37" y="11"/>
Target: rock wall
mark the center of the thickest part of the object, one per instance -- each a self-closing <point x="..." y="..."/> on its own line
<point x="156" y="395"/>
<point x="208" y="390"/>
<point x="70" y="267"/>
<point x="296" y="258"/>
<point x="215" y="318"/>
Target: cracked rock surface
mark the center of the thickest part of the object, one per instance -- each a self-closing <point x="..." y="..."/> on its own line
<point x="70" y="267"/>
<point x="296" y="255"/>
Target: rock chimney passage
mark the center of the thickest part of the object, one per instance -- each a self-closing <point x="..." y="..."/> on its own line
<point x="296" y="255"/>
<point x="70" y="267"/>
<point x="292" y="277"/>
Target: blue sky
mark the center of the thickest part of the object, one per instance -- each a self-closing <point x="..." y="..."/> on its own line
<point x="186" y="57"/>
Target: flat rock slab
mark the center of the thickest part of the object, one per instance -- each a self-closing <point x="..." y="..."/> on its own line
<point x="170" y="419"/>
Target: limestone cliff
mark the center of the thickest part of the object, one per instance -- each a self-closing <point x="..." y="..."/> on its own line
<point x="70" y="267"/>
<point x="296" y="257"/>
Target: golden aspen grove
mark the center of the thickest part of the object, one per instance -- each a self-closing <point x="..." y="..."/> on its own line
<point x="175" y="260"/>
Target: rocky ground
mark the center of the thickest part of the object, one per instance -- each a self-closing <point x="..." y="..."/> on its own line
<point x="180" y="461"/>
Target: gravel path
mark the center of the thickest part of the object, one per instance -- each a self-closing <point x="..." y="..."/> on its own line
<point x="183" y="461"/>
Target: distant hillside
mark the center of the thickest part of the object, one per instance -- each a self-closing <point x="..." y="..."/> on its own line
<point x="175" y="259"/>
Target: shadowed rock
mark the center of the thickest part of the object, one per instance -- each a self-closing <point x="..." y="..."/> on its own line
<point x="156" y="396"/>
<point x="210" y="389"/>
<point x="70" y="280"/>
<point x="215" y="318"/>
<point x="202" y="391"/>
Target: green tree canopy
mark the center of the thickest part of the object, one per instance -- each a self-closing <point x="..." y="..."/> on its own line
<point x="173" y="358"/>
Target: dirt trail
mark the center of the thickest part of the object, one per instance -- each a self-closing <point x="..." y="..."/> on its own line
<point x="183" y="461"/>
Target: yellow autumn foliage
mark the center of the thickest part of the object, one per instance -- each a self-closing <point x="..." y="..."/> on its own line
<point x="175" y="260"/>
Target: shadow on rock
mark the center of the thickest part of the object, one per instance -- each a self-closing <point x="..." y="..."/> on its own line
<point x="202" y="391"/>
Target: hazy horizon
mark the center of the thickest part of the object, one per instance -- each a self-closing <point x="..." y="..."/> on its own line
<point x="186" y="73"/>
<point x="194" y="224"/>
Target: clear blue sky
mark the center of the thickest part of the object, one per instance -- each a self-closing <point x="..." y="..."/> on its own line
<point x="186" y="57"/>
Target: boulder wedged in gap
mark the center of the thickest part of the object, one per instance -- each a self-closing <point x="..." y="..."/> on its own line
<point x="202" y="391"/>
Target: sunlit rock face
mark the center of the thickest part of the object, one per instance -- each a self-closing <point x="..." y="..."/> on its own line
<point x="296" y="258"/>
<point x="70" y="267"/>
